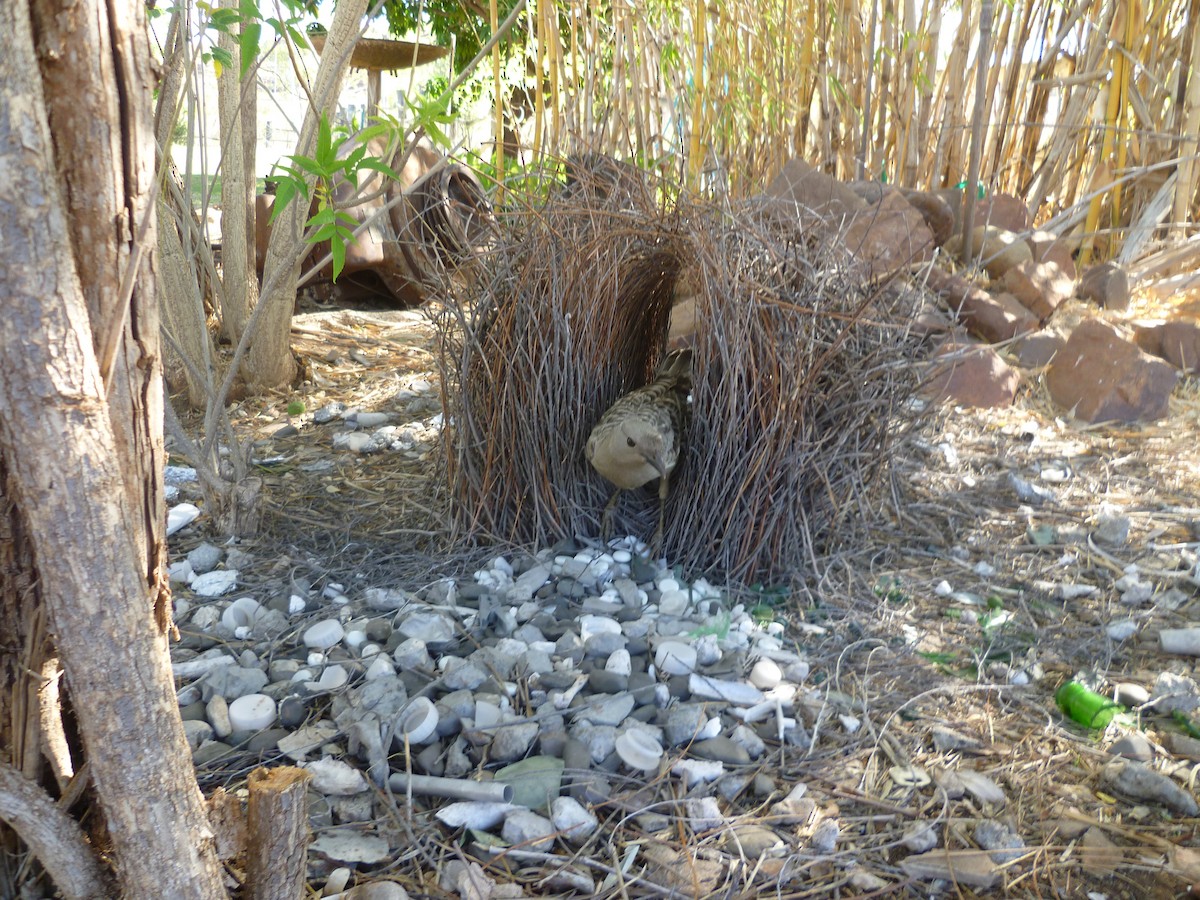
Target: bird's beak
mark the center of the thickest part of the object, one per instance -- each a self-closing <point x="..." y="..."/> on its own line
<point x="660" y="464"/>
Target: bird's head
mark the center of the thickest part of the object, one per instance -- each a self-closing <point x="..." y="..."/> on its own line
<point x="643" y="442"/>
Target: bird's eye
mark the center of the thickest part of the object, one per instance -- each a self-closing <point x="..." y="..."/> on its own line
<point x="631" y="442"/>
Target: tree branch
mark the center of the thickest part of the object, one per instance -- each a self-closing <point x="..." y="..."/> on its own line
<point x="54" y="837"/>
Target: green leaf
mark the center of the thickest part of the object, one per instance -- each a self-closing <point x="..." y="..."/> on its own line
<point x="295" y="408"/>
<point x="248" y="43"/>
<point x="221" y="58"/>
<point x="339" y="258"/>
<point x="224" y="19"/>
<point x="378" y="165"/>
<point x="298" y="38"/>
<point x="325" y="154"/>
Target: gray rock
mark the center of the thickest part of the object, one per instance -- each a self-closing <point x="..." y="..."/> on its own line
<point x="752" y="841"/>
<point x="210" y="752"/>
<point x="1137" y="780"/>
<point x="721" y="749"/>
<point x="351" y="847"/>
<point x="197" y="732"/>
<point x="999" y="840"/>
<point x="205" y="558"/>
<point x="600" y="740"/>
<point x="920" y="837"/>
<point x="513" y="741"/>
<point x="232" y="682"/>
<point x="1132" y="746"/>
<point x="386" y="599"/>
<point x="430" y="627"/>
<point x="606" y="709"/>
<point x="572" y="820"/>
<point x="525" y="828"/>
<point x="463" y="675"/>
<point x="684" y="723"/>
<point x="703" y="813"/>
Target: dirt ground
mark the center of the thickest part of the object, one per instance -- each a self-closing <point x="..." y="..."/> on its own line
<point x="954" y="622"/>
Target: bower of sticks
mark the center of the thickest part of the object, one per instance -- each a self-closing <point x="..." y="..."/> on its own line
<point x="803" y="378"/>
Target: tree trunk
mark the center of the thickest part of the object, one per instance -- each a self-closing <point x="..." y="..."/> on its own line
<point x="237" y="190"/>
<point x="81" y="417"/>
<point x="269" y="363"/>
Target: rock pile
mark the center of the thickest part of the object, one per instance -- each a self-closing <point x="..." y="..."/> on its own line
<point x="563" y="671"/>
<point x="1099" y="372"/>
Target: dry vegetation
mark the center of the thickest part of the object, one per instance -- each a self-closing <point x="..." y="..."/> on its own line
<point x="803" y="370"/>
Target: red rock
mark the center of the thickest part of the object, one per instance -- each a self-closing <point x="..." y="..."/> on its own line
<point x="889" y="236"/>
<point x="1107" y="285"/>
<point x="1046" y="247"/>
<point x="1102" y="377"/>
<point x="993" y="319"/>
<point x="814" y="191"/>
<point x="1040" y="287"/>
<point x="1003" y="211"/>
<point x="1036" y="350"/>
<point x="1178" y="342"/>
<point x="972" y="375"/>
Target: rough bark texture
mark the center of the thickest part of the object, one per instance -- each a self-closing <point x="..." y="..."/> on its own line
<point x="235" y="308"/>
<point x="54" y="837"/>
<point x="85" y="456"/>
<point x="269" y="363"/>
<point x="277" y="826"/>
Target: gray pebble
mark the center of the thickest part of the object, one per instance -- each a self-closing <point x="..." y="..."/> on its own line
<point x="210" y="752"/>
<point x="204" y="558"/>
<point x="527" y="828"/>
<point x="513" y="741"/>
<point x="721" y="749"/>
<point x="683" y="723"/>
<point x="606" y="709"/>
<point x="604" y="682"/>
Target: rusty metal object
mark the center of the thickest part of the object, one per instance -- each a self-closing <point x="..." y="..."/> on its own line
<point x="439" y="215"/>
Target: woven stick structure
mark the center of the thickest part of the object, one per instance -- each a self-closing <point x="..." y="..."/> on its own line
<point x="803" y="373"/>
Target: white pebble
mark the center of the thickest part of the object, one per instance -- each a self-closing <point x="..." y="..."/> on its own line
<point x="624" y="557"/>
<point x="333" y="776"/>
<point x="1122" y="629"/>
<point x="667" y="584"/>
<point x="766" y="674"/>
<point x="296" y="604"/>
<point x="380" y="667"/>
<point x="253" y="712"/>
<point x="356" y="638"/>
<point x="619" y="662"/>
<point x="217" y="713"/>
<point x="593" y="625"/>
<point x="333" y="677"/>
<point x="943" y="589"/>
<point x="216" y="583"/>
<point x="673" y="602"/>
<point x="675" y="657"/>
<point x="324" y="634"/>
<point x="695" y="771"/>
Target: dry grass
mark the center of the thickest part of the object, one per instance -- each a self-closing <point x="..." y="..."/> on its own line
<point x="802" y="373"/>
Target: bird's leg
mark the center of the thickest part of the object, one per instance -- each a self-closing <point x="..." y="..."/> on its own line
<point x="606" y="516"/>
<point x="663" y="487"/>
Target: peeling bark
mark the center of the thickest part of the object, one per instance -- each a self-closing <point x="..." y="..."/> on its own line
<point x="81" y="417"/>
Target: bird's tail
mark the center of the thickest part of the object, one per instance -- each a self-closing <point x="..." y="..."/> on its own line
<point x="676" y="366"/>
